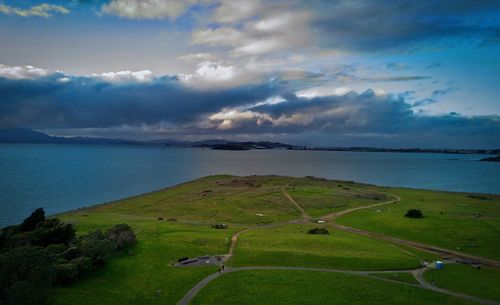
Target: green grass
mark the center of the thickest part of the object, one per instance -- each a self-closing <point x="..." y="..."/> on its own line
<point x="135" y="279"/>
<point x="234" y="199"/>
<point x="319" y="199"/>
<point x="483" y="283"/>
<point x="290" y="246"/>
<point x="226" y="199"/>
<point x="470" y="224"/>
<point x="404" y="277"/>
<point x="451" y="220"/>
<point x="265" y="287"/>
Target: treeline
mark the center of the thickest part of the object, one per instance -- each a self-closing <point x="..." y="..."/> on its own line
<point x="44" y="252"/>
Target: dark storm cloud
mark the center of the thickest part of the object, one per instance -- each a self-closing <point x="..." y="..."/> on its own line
<point x="360" y="113"/>
<point x="48" y="102"/>
<point x="54" y="102"/>
<point x="378" y="25"/>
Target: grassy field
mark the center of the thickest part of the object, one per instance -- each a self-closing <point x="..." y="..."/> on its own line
<point x="290" y="245"/>
<point x="320" y="198"/>
<point x="451" y="220"/>
<point x="484" y="282"/>
<point x="134" y="279"/>
<point x="245" y="200"/>
<point x="308" y="287"/>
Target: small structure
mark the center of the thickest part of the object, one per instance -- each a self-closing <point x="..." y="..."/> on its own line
<point x="320" y="221"/>
<point x="439" y="264"/>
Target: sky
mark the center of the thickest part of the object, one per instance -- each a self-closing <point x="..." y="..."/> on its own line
<point x="329" y="73"/>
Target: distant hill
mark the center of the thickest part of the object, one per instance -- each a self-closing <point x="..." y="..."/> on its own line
<point x="492" y="159"/>
<point x="22" y="135"/>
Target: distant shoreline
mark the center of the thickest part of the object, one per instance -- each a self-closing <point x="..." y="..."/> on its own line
<point x="29" y="136"/>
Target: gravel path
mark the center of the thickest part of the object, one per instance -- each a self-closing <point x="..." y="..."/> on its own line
<point x="417" y="273"/>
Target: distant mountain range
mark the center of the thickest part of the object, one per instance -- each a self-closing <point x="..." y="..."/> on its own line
<point x="20" y="135"/>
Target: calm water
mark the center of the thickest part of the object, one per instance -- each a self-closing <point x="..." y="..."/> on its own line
<point x="65" y="177"/>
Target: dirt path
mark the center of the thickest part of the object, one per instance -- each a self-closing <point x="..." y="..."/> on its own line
<point x="417" y="273"/>
<point x="419" y="276"/>
<point x="420" y="246"/>
<point x="335" y="215"/>
<point x="305" y="216"/>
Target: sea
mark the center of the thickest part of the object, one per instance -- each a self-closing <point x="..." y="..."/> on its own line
<point x="63" y="177"/>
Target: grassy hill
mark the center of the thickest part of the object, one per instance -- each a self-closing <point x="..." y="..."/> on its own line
<point x="176" y="222"/>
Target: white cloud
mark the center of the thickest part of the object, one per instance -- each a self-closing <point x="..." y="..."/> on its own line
<point x="274" y="31"/>
<point x="210" y="72"/>
<point x="232" y="118"/>
<point x="198" y="57"/>
<point x="322" y="91"/>
<point x="223" y="36"/>
<point x="123" y="76"/>
<point x="231" y="11"/>
<point x="43" y="10"/>
<point x="22" y="72"/>
<point x="147" y="9"/>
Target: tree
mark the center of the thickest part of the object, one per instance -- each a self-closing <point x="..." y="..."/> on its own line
<point x="30" y="223"/>
<point x="53" y="231"/>
<point x="26" y="276"/>
<point x="414" y="213"/>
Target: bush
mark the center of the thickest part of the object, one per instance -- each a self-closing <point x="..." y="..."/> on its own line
<point x="414" y="213"/>
<point x="219" y="226"/>
<point x="42" y="252"/>
<point x="318" y="231"/>
<point x="122" y="235"/>
<point x="97" y="247"/>
<point x="26" y="275"/>
<point x="53" y="231"/>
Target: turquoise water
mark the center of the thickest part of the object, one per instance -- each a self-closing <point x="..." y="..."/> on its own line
<point x="65" y="177"/>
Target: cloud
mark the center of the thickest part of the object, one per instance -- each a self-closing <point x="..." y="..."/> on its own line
<point x="167" y="105"/>
<point x="397" y="66"/>
<point x="365" y="25"/>
<point x="349" y="113"/>
<point x="277" y="29"/>
<point x="233" y="11"/>
<point x="147" y="9"/>
<point x="96" y="102"/>
<point x="121" y="76"/>
<point x="43" y="10"/>
<point x="21" y="72"/>
<point x="198" y="57"/>
<point x="396" y="78"/>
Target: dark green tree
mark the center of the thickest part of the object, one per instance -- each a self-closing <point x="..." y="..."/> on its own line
<point x="30" y="223"/>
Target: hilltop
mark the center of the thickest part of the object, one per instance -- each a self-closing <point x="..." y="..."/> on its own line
<point x="372" y="251"/>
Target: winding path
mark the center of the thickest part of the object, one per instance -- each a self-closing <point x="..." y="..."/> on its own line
<point x="417" y="273"/>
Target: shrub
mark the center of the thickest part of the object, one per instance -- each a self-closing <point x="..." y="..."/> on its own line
<point x="122" y="235"/>
<point x="414" y="213"/>
<point x="97" y="247"/>
<point x="42" y="252"/>
<point x="318" y="231"/>
<point x="66" y="273"/>
<point x="219" y="226"/>
<point x="53" y="231"/>
<point x="26" y="275"/>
